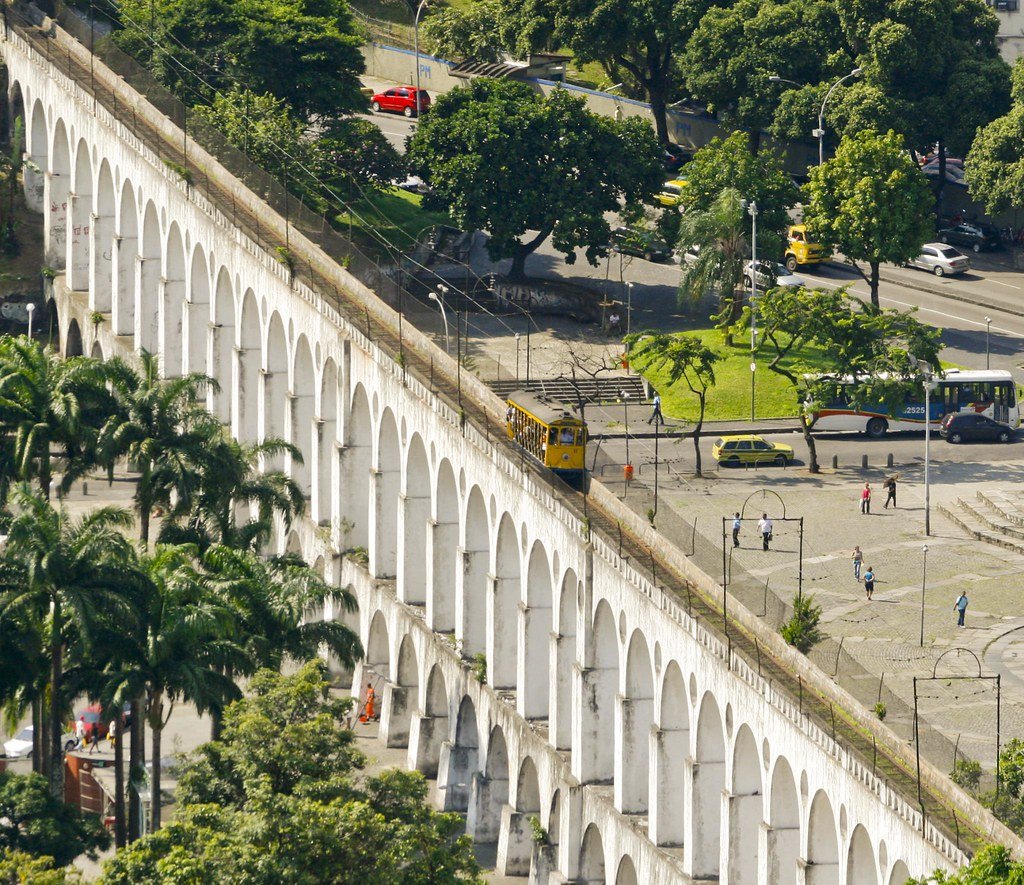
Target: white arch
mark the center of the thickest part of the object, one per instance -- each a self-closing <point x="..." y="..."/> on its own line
<point x="560" y="732"/>
<point x="708" y="783"/>
<point x="627" y="872"/>
<point x="425" y="750"/>
<point x="378" y="649"/>
<point x="303" y="403"/>
<point x="80" y="221"/>
<point x="38" y="148"/>
<point x="670" y="800"/>
<point x="502" y="650"/>
<point x="275" y="387"/>
<point x="388" y="486"/>
<point x="822" y="843"/>
<point x="861" y="866"/>
<point x="900" y="873"/>
<point x="126" y="250"/>
<point x="534" y="669"/>
<point x="101" y="247"/>
<point x="198" y="316"/>
<point x="172" y="304"/>
<point x="463" y="759"/>
<point x="471" y="601"/>
<point x="58" y="187"/>
<point x="746" y="808"/>
<point x="442" y="561"/>
<point x="484" y="820"/>
<point x="783" y="825"/>
<point x="413" y="526"/>
<point x="636" y="715"/>
<point x="592" y="857"/>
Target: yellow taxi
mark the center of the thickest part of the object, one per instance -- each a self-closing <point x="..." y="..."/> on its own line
<point x="671" y="193"/>
<point x="748" y="448"/>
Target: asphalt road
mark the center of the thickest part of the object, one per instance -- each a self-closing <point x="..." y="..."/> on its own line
<point x="395" y="127"/>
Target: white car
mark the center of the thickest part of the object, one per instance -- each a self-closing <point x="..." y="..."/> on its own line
<point x="771" y="275"/>
<point x="940" y="259"/>
<point x="20" y="746"/>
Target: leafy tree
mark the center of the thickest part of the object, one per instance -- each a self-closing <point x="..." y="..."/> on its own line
<point x="876" y="349"/>
<point x="686" y="358"/>
<point x="161" y="427"/>
<point x="872" y="202"/>
<point x="277" y="801"/>
<point x="735" y="50"/>
<point x="727" y="163"/>
<point x="635" y="39"/>
<point x="995" y="163"/>
<point x="503" y="159"/>
<point x="484" y="30"/>
<point x="79" y="573"/>
<point x="35" y="823"/>
<point x="48" y="403"/>
<point x="992" y="865"/>
<point x="801" y="630"/>
<point x="305" y="52"/>
<point x="720" y="234"/>
<point x="18" y="866"/>
<point x="229" y="473"/>
<point x="349" y="153"/>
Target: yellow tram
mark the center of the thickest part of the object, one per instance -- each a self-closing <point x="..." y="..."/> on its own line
<point x="550" y="435"/>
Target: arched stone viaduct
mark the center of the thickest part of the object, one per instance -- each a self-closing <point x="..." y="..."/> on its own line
<point x="645" y="750"/>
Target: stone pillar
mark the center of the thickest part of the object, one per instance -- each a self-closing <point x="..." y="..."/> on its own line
<point x="455" y="770"/>
<point x="544" y="866"/>
<point x="147" y="304"/>
<point x="816" y="873"/>
<point x="101" y="250"/>
<point x="426" y="735"/>
<point x="502" y="638"/>
<point x="593" y="756"/>
<point x="533" y="662"/>
<point x="414" y="525"/>
<point x="170" y="326"/>
<point x="395" y="715"/>
<point x="34" y="180"/>
<point x="563" y="656"/>
<point x="703" y="827"/>
<point x="471" y="602"/>
<point x="742" y="816"/>
<point x="632" y="740"/>
<point x="124" y="283"/>
<point x="515" y="843"/>
<point x="442" y="549"/>
<point x="78" y="242"/>
<point x="669" y="787"/>
<point x="483" y="822"/>
<point x="55" y="220"/>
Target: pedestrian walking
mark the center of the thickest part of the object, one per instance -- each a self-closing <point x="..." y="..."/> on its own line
<point x="81" y="735"/>
<point x="960" y="607"/>
<point x="890" y="490"/>
<point x="112" y="733"/>
<point x="764" y="526"/>
<point x="736" y="522"/>
<point x="368" y="707"/>
<point x="614" y="323"/>
<point x="656" y="415"/>
<point x="869" y="582"/>
<point x="94" y="737"/>
<point x="858" y="561"/>
<point x="865" y="498"/>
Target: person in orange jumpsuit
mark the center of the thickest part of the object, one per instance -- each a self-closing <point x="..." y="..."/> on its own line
<point x="368" y="707"/>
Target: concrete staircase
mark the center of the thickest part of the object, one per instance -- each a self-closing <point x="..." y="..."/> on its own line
<point x="592" y="390"/>
<point x="996" y="517"/>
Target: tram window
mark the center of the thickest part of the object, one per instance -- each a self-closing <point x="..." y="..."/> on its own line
<point x="553" y="436"/>
<point x="567" y="436"/>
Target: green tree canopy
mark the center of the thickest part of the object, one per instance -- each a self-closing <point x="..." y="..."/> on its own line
<point x="33" y="822"/>
<point x="277" y="800"/>
<point x="505" y="160"/>
<point x="305" y="52"/>
<point x="993" y="865"/>
<point x="872" y="202"/>
<point x="995" y="163"/>
<point x="727" y="163"/>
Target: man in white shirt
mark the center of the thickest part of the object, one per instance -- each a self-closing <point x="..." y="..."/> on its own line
<point x="764" y="526"/>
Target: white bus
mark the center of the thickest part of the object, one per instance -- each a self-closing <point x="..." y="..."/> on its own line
<point x="990" y="392"/>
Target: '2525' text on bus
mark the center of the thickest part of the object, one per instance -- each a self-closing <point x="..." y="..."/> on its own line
<point x="989" y="392"/>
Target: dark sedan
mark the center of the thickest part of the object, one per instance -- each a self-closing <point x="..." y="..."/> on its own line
<point x="961" y="427"/>
<point x="674" y="157"/>
<point x="971" y="235"/>
<point x="637" y="241"/>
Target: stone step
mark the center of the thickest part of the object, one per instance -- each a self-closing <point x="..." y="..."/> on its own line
<point x="993" y="518"/>
<point x="978" y="529"/>
<point x="594" y="390"/>
<point x="1006" y="504"/>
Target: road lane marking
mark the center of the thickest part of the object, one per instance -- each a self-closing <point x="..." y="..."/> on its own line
<point x="1000" y="283"/>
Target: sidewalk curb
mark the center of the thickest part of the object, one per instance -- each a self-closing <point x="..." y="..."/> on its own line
<point x="686" y="431"/>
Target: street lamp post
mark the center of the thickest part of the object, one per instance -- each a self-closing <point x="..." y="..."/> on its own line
<point x="625" y="418"/>
<point x="820" y="131"/>
<point x="988" y="334"/>
<point x="929" y="384"/>
<point x="416" y="48"/>
<point x="752" y="209"/>
<point x="629" y="307"/>
<point x="924" y="583"/>
<point x="31" y="309"/>
<point x="439" y="298"/>
<point x="517" y="357"/>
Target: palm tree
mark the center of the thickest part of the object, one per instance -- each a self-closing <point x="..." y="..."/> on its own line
<point x="160" y="427"/>
<point x="719" y="233"/>
<point x="81" y="574"/>
<point x="46" y="401"/>
<point x="228" y="476"/>
<point x="271" y="600"/>
<point x="181" y="651"/>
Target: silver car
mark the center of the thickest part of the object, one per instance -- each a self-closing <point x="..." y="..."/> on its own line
<point x="940" y="259"/>
<point x="771" y="275"/>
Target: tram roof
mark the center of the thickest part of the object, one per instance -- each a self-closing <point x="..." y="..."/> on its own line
<point x="545" y="412"/>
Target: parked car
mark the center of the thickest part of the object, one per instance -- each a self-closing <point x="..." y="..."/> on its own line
<point x="689" y="255"/>
<point x="974" y="235"/>
<point x="749" y="448"/>
<point x="671" y="193"/>
<point x="958" y="427"/>
<point x="638" y="241"/>
<point x="674" y="157"/>
<point x="400" y="100"/>
<point x="940" y="260"/>
<point x="20" y="746"/>
<point x="771" y="275"/>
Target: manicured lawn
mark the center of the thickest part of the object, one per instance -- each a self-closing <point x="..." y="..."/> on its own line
<point x="729" y="399"/>
<point x="396" y="215"/>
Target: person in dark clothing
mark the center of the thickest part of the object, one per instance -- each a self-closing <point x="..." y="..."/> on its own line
<point x="890" y="491"/>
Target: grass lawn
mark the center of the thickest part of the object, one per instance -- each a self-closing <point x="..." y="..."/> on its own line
<point x="729" y="399"/>
<point x="397" y="215"/>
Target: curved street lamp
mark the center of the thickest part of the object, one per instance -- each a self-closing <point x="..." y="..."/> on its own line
<point x="819" y="133"/>
<point x="416" y="46"/>
<point x="439" y="298"/>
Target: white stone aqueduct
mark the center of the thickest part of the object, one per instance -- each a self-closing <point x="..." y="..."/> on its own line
<point x="647" y="753"/>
